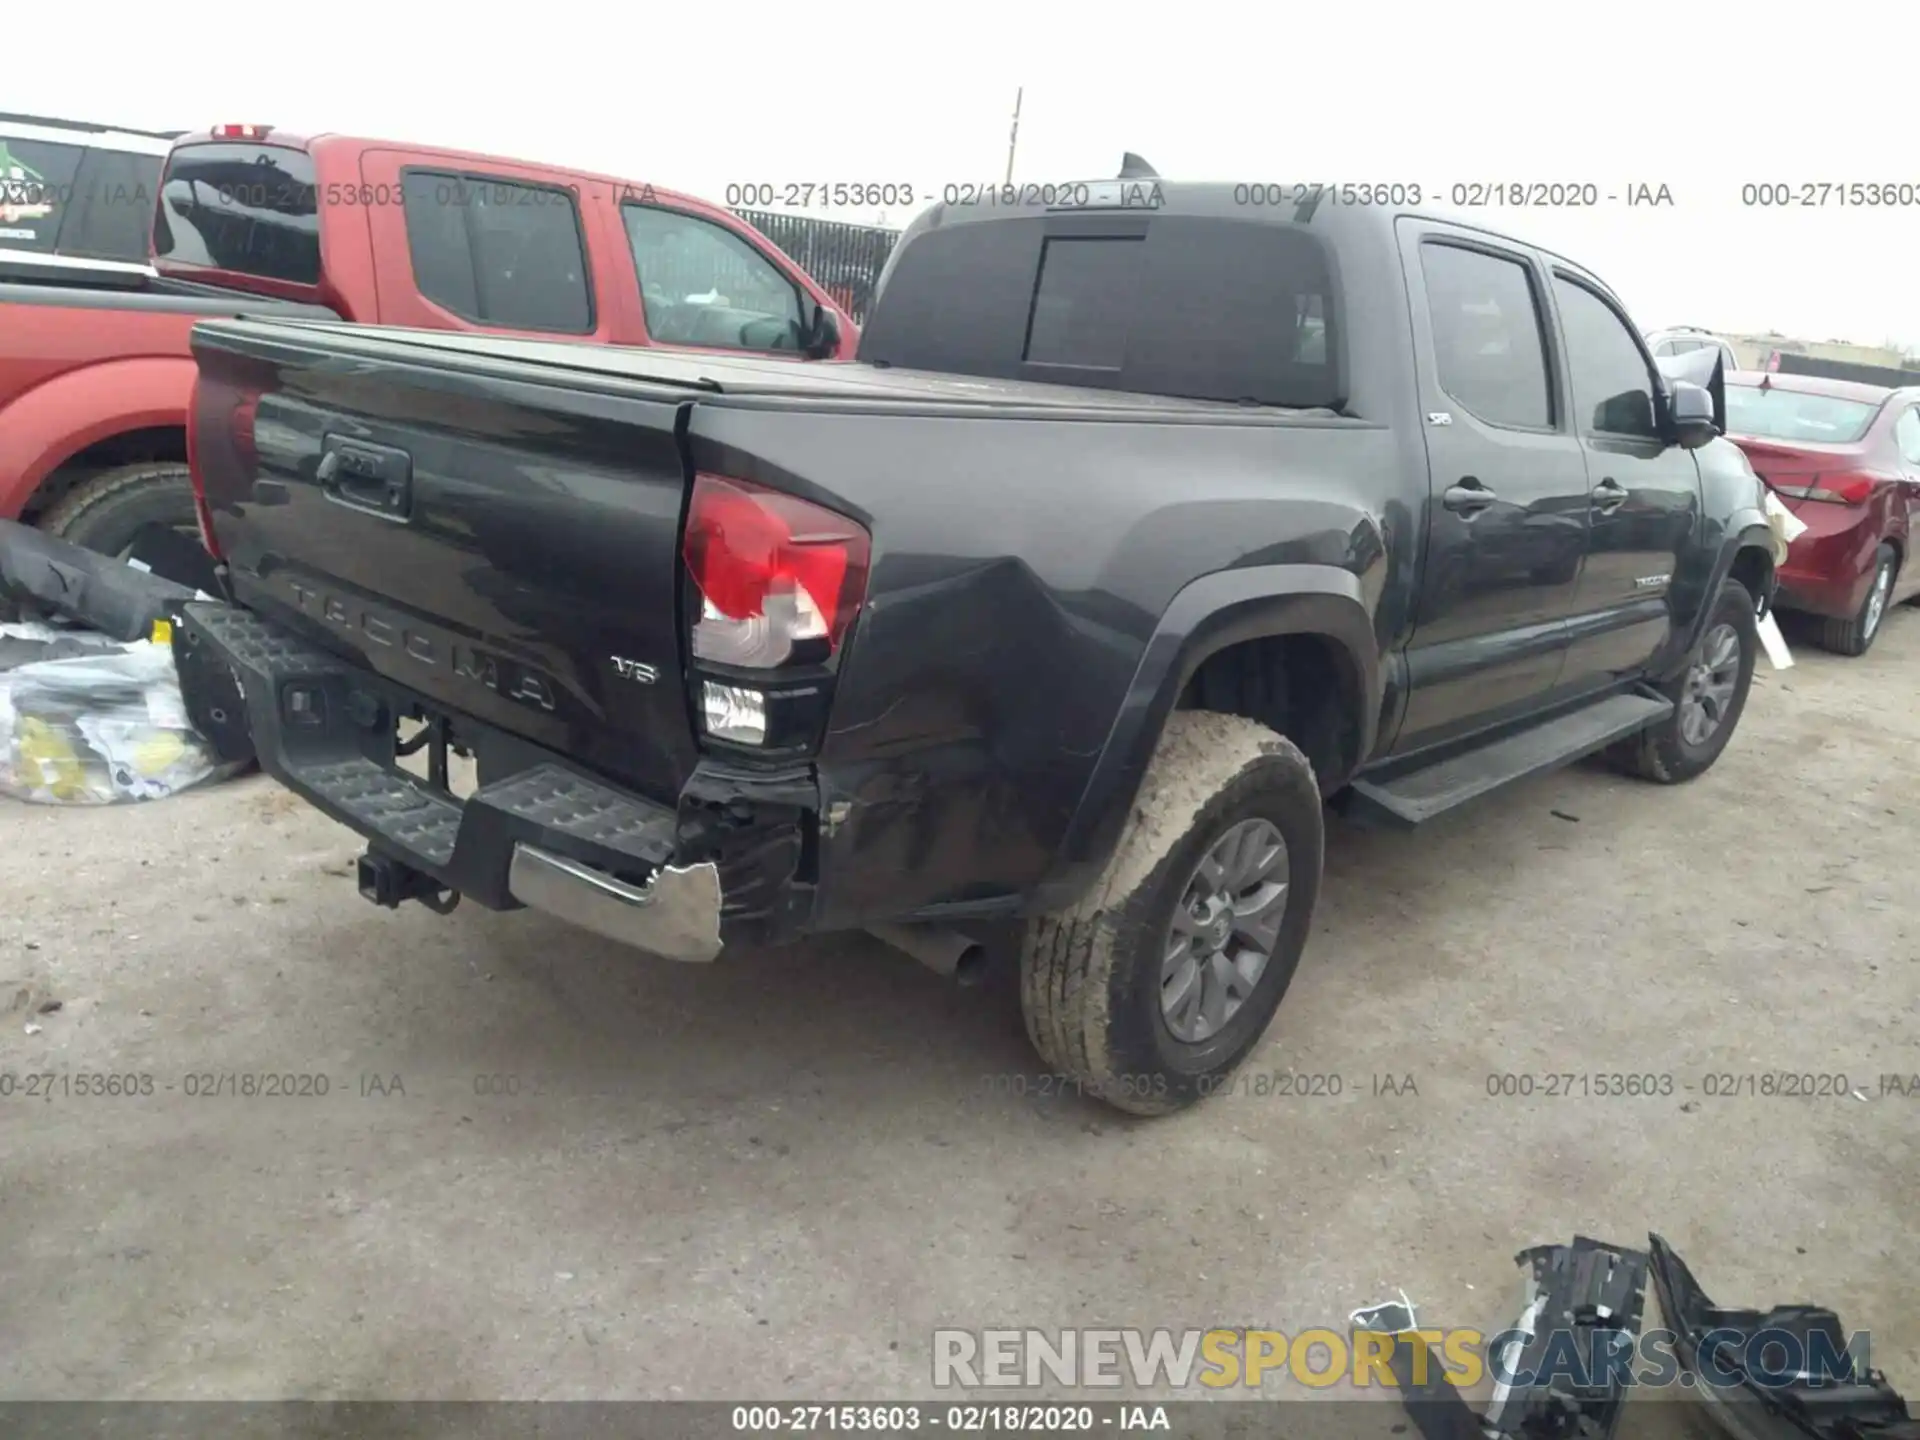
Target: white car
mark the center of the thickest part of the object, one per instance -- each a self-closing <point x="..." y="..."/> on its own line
<point x="1683" y="338"/>
<point x="76" y="200"/>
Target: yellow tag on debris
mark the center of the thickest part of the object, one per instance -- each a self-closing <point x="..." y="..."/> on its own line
<point x="163" y="632"/>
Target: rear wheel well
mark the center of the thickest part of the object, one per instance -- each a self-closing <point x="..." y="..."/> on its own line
<point x="158" y="444"/>
<point x="1751" y="567"/>
<point x="1297" y="685"/>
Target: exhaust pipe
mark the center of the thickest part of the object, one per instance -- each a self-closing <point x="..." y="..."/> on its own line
<point x="947" y="953"/>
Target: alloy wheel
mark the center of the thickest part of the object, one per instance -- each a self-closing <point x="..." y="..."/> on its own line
<point x="1711" y="681"/>
<point x="1224" y="930"/>
<point x="1877" y="601"/>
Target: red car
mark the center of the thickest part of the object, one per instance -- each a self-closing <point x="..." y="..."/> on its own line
<point x="1845" y="458"/>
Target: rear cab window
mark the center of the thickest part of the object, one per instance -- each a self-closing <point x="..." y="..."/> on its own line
<point x="1074" y="320"/>
<point x="1199" y="307"/>
<point x="245" y="208"/>
<point x="498" y="252"/>
<point x="1775" y="413"/>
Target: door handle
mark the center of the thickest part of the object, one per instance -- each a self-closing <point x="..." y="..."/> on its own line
<point x="1609" y="496"/>
<point x="1469" y="497"/>
<point x="365" y="476"/>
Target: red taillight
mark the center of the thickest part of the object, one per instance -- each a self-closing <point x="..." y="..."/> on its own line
<point x="774" y="573"/>
<point x="1833" y="489"/>
<point x="241" y="132"/>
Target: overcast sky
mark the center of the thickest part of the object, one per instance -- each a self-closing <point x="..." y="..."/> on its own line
<point x="1701" y="98"/>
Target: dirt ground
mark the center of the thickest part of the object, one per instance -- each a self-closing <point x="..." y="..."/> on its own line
<point x="777" y="1175"/>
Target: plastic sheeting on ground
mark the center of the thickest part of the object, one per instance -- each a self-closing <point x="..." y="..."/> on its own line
<point x="88" y="720"/>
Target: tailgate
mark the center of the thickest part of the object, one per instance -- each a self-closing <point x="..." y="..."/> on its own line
<point x="504" y="547"/>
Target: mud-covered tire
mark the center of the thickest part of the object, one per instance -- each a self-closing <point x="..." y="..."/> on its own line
<point x="1662" y="753"/>
<point x="1856" y="634"/>
<point x="1090" y="977"/>
<point x="106" y="512"/>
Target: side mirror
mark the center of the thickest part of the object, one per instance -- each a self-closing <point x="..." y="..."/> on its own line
<point x="1690" y="415"/>
<point x="823" y="334"/>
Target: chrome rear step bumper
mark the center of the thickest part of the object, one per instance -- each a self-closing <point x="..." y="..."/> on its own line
<point x="676" y="914"/>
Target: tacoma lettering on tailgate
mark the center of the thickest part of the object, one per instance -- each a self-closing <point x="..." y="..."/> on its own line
<point x="366" y="623"/>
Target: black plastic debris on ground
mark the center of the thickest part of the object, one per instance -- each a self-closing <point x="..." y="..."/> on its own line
<point x="107" y="594"/>
<point x="1588" y="1294"/>
<point x="1596" y="1293"/>
<point x="1844" y="1403"/>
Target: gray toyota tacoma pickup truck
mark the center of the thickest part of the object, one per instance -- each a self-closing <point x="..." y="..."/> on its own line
<point x="1144" y="526"/>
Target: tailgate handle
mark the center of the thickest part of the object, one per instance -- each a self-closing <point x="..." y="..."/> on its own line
<point x="365" y="476"/>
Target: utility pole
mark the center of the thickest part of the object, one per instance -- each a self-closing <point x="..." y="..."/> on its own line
<point x="1014" y="138"/>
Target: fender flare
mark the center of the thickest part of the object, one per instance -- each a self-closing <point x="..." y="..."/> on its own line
<point x="1204" y="618"/>
<point x="1746" y="529"/>
<point x="47" y="426"/>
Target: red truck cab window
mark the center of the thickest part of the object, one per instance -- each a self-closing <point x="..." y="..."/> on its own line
<point x="703" y="285"/>
<point x="498" y="252"/>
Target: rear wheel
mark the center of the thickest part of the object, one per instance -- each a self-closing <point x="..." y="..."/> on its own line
<point x="1853" y="636"/>
<point x="1709" y="696"/>
<point x="111" y="511"/>
<point x="1150" y="992"/>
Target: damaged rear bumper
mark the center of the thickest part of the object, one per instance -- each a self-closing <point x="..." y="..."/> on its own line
<point x="676" y="913"/>
<point x="537" y="832"/>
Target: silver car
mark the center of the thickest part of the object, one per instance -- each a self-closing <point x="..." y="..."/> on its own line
<point x="1685" y="338"/>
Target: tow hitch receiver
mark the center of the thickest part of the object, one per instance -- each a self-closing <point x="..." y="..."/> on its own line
<point x="387" y="881"/>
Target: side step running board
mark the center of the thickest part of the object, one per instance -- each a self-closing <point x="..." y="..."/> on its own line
<point x="1416" y="796"/>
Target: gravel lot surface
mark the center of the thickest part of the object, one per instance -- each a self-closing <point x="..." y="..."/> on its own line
<point x="777" y="1175"/>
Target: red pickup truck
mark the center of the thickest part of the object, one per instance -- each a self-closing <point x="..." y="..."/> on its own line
<point x="95" y="381"/>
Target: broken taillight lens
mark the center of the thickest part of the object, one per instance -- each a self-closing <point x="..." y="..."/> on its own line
<point x="777" y="575"/>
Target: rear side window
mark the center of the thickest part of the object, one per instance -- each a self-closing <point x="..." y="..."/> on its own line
<point x="36" y="190"/>
<point x="1195" y="306"/>
<point x="112" y="210"/>
<point x="497" y="252"/>
<point x="1906" y="434"/>
<point x="1776" y="413"/>
<point x="1490" y="347"/>
<point x="250" y="209"/>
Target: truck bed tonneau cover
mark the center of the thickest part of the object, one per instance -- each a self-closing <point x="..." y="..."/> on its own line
<point x="743" y="376"/>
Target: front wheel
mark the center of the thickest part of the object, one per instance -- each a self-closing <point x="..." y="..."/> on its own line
<point x="1709" y="696"/>
<point x="1162" y="980"/>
